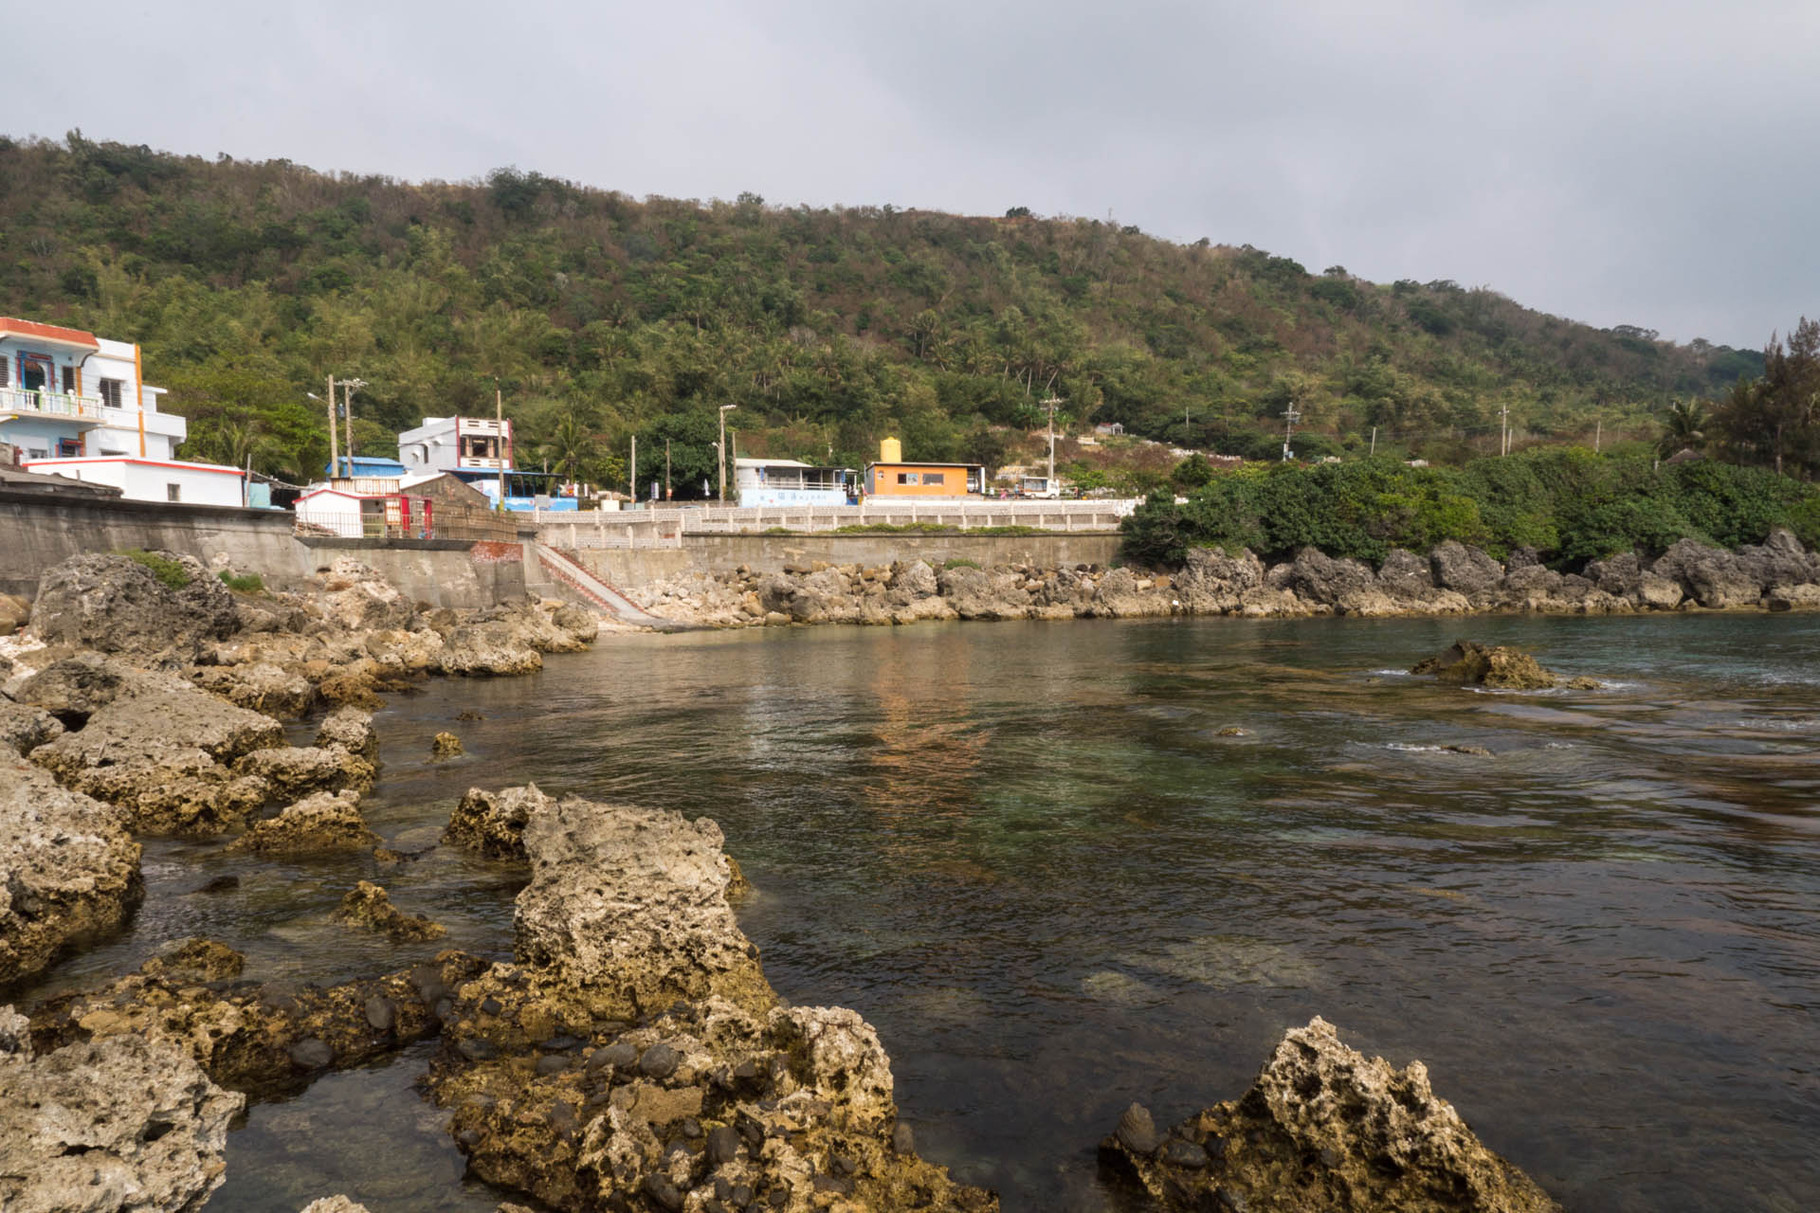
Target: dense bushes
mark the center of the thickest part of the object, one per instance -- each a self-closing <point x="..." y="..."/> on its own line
<point x="1570" y="505"/>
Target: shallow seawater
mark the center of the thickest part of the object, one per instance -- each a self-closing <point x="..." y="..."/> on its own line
<point x="1031" y="857"/>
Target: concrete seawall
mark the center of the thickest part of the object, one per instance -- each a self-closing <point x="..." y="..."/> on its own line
<point x="630" y="568"/>
<point x="36" y="533"/>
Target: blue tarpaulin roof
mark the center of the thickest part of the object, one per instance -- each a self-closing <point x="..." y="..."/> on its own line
<point x="366" y="465"/>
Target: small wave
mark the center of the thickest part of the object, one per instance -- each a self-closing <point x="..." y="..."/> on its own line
<point x="1561" y="745"/>
<point x="1796" y="725"/>
<point x="1406" y="747"/>
<point x="1389" y="673"/>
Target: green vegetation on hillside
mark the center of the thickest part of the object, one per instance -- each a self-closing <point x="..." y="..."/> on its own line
<point x="1567" y="504"/>
<point x="603" y="316"/>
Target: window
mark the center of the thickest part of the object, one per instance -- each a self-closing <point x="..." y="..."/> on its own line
<point x="6" y="371"/>
<point x="110" y="392"/>
<point x="36" y="453"/>
<point x="69" y="380"/>
<point x="906" y="477"/>
<point x="935" y="478"/>
<point x="69" y="448"/>
<point x="173" y="492"/>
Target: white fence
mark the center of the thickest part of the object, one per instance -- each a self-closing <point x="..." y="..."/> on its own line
<point x="666" y="527"/>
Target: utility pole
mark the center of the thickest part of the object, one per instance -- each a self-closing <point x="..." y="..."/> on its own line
<point x="1598" y="433"/>
<point x="720" y="451"/>
<point x="348" y="387"/>
<point x="1374" y="441"/>
<point x="666" y="469"/>
<point x="1052" y="402"/>
<point x="632" y="480"/>
<point x="334" y="443"/>
<point x="499" y="449"/>
<point x="1504" y="429"/>
<point x="1290" y="417"/>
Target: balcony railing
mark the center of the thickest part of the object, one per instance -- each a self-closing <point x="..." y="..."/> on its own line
<point x="50" y="404"/>
<point x="468" y="463"/>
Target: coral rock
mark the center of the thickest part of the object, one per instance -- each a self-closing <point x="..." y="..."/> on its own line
<point x="1325" y="1128"/>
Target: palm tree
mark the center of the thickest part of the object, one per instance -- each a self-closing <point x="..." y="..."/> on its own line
<point x="1684" y="429"/>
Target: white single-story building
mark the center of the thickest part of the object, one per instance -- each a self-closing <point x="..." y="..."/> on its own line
<point x="166" y="480"/>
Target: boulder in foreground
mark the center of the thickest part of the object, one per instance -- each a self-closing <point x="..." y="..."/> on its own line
<point x="68" y="868"/>
<point x="1324" y="1127"/>
<point x="122" y="1125"/>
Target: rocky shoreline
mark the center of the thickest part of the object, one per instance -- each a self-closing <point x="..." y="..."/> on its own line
<point x="631" y="1054"/>
<point x="1454" y="579"/>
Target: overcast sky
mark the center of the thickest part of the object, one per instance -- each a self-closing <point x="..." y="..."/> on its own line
<point x="1651" y="163"/>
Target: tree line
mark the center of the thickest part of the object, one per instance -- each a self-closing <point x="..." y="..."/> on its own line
<point x="602" y="317"/>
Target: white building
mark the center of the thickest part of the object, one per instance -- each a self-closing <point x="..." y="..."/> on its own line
<point x="457" y="444"/>
<point x="788" y="482"/>
<point x="78" y="405"/>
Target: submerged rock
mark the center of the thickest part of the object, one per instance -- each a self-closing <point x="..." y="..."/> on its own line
<point x="445" y="745"/>
<point x="1469" y="663"/>
<point x="334" y="1204"/>
<point x="323" y="822"/>
<point x="493" y="823"/>
<point x="197" y="960"/>
<point x="121" y="1125"/>
<point x="263" y="1038"/>
<point x="68" y="868"/>
<point x="1323" y="1127"/>
<point x="368" y="906"/>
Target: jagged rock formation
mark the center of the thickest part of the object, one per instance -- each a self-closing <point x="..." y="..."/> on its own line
<point x="445" y="745"/>
<point x="634" y="1057"/>
<point x="293" y="771"/>
<point x="352" y="730"/>
<point x="493" y="823"/>
<point x="1471" y="664"/>
<point x="68" y="868"/>
<point x="113" y="604"/>
<point x="157" y="747"/>
<point x="628" y="906"/>
<point x="322" y="822"/>
<point x="1323" y="1127"/>
<point x="122" y="1125"/>
<point x="24" y="728"/>
<point x="369" y="907"/>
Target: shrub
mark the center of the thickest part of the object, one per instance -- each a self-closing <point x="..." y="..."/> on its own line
<point x="243" y="583"/>
<point x="1569" y="504"/>
<point x="960" y="562"/>
<point x="170" y="572"/>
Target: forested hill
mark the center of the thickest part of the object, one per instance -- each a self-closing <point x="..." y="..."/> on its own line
<point x="605" y="316"/>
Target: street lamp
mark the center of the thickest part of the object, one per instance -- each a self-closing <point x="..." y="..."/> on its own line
<point x="720" y="450"/>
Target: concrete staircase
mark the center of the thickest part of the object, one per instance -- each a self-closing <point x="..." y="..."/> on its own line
<point x="570" y="576"/>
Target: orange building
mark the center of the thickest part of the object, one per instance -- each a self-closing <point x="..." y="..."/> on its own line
<point x="892" y="477"/>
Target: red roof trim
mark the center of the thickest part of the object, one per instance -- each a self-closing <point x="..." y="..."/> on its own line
<point x="11" y="327"/>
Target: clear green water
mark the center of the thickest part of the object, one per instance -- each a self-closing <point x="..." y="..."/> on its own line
<point x="1027" y="855"/>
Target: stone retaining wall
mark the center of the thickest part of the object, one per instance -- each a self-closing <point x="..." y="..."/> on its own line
<point x="631" y="568"/>
<point x="37" y="532"/>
